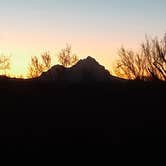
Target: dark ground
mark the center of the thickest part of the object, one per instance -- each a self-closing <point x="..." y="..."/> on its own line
<point x="35" y="115"/>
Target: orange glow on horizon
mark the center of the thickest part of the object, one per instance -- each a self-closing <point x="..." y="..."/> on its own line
<point x="22" y="44"/>
<point x="20" y="59"/>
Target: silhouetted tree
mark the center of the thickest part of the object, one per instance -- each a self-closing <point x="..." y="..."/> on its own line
<point x="155" y="53"/>
<point x="149" y="63"/>
<point x="66" y="58"/>
<point x="46" y="59"/>
<point x="4" y="64"/>
<point x="131" y="65"/>
<point x="36" y="68"/>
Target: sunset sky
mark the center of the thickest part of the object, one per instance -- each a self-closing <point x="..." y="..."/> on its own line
<point x="93" y="27"/>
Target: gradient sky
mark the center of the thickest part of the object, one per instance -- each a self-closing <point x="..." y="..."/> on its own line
<point x="93" y="27"/>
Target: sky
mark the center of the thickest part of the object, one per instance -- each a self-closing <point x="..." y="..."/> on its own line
<point x="95" y="28"/>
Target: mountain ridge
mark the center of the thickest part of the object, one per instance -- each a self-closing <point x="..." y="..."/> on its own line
<point x="85" y="70"/>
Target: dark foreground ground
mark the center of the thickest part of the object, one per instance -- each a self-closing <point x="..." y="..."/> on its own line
<point x="35" y="115"/>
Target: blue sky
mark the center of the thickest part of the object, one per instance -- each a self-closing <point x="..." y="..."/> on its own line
<point x="93" y="27"/>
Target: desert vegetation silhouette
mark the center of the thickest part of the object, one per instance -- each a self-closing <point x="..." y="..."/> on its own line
<point x="147" y="64"/>
<point x="66" y="57"/>
<point x="4" y="64"/>
<point x="39" y="65"/>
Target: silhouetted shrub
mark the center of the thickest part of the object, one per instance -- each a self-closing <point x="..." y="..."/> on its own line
<point x="66" y="58"/>
<point x="4" y="64"/>
<point x="36" y="68"/>
<point x="148" y="64"/>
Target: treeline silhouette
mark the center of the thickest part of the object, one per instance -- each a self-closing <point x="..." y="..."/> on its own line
<point x="148" y="64"/>
<point x="65" y="58"/>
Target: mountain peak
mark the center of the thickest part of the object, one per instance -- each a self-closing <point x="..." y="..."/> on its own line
<point x="86" y="70"/>
<point x="89" y="58"/>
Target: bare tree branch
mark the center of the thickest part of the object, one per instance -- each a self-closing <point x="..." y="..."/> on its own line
<point x="36" y="68"/>
<point x="4" y="64"/>
<point x="149" y="63"/>
<point x="66" y="58"/>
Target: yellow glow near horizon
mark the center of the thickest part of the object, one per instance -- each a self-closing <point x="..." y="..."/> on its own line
<point x="94" y="28"/>
<point x="22" y="44"/>
<point x="21" y="58"/>
<point x="20" y="61"/>
<point x="21" y="54"/>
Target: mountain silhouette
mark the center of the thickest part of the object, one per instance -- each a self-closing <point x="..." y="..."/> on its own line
<point x="86" y="70"/>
